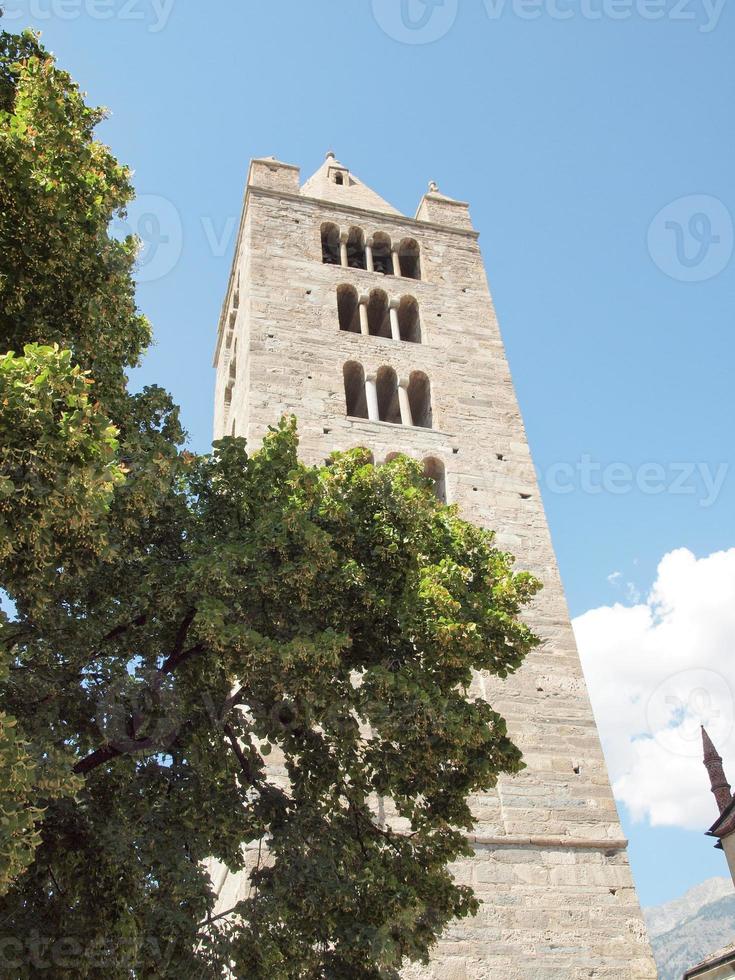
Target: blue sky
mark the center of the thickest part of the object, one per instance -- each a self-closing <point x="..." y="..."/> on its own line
<point x="570" y="127"/>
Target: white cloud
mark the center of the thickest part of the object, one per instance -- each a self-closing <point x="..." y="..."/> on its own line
<point x="656" y="671"/>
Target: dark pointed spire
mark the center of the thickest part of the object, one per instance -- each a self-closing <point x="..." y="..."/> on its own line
<point x="718" y="780"/>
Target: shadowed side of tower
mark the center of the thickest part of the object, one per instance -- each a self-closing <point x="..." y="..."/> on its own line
<point x="379" y="330"/>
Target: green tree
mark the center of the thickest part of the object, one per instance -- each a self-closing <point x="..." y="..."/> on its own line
<point x="181" y="621"/>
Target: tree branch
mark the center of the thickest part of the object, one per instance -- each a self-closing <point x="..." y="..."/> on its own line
<point x="241" y="757"/>
<point x="97" y="758"/>
<point x="177" y="657"/>
<point x="124" y="627"/>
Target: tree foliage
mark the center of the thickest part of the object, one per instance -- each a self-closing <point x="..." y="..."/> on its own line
<point x="206" y="651"/>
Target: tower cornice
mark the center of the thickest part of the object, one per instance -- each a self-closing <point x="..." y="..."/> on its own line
<point x="384" y="217"/>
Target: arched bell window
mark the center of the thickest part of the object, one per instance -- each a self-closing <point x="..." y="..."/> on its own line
<point x="330" y="244"/>
<point x="382" y="257"/>
<point x="434" y="470"/>
<point x="419" y="397"/>
<point x="408" y="320"/>
<point x="389" y="407"/>
<point x="378" y="313"/>
<point x="356" y="249"/>
<point x="348" y="309"/>
<point x="409" y="257"/>
<point x="354" y="378"/>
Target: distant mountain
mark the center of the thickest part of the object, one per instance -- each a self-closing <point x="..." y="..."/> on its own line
<point x="690" y="928"/>
<point x="662" y="918"/>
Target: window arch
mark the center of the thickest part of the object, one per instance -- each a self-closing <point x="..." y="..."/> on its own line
<point x="382" y="257"/>
<point x="348" y="309"/>
<point x="419" y="397"/>
<point x="434" y="470"/>
<point x="378" y="312"/>
<point x="330" y="244"/>
<point x="355" y="398"/>
<point x="356" y="249"/>
<point x="409" y="324"/>
<point x="389" y="407"/>
<point x="391" y="456"/>
<point x="409" y="256"/>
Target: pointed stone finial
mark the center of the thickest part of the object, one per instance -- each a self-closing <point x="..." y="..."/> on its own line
<point x="330" y="155"/>
<point x="718" y="781"/>
<point x="433" y="187"/>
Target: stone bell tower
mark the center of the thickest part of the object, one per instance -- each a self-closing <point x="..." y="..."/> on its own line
<point x="378" y="330"/>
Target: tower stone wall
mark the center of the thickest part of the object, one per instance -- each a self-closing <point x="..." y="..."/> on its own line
<point x="550" y="863"/>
